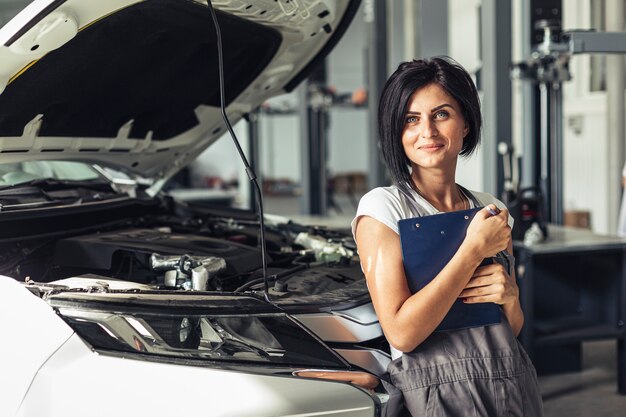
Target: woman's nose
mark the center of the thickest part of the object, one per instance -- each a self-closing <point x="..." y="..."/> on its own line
<point x="429" y="129"/>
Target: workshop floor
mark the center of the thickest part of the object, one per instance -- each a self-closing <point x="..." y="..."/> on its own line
<point x="591" y="392"/>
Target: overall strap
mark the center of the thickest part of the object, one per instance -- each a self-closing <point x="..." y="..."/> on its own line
<point x="405" y="191"/>
<point x="503" y="257"/>
<point x="471" y="196"/>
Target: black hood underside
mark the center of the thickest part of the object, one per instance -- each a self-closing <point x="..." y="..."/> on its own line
<point x="153" y="62"/>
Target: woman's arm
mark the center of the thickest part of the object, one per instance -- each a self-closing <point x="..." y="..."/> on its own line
<point x="407" y="319"/>
<point x="492" y="284"/>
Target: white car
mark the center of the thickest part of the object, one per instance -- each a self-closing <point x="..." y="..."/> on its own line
<point x="116" y="299"/>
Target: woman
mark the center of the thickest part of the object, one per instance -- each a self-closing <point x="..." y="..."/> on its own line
<point x="429" y="114"/>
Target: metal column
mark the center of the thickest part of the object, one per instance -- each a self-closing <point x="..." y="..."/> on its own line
<point x="529" y="147"/>
<point x="615" y="114"/>
<point x="551" y="154"/>
<point x="314" y="110"/>
<point x="496" y="87"/>
<point x="317" y="159"/>
<point x="556" y="154"/>
<point x="545" y="22"/>
<point x="375" y="16"/>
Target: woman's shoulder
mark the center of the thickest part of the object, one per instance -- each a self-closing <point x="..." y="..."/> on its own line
<point x="383" y="201"/>
<point x="378" y="194"/>
<point x="486" y="198"/>
<point x="384" y="204"/>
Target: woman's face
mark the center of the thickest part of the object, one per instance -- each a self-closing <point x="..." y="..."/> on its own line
<point x="434" y="129"/>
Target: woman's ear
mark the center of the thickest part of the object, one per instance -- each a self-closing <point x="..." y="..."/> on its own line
<point x="466" y="130"/>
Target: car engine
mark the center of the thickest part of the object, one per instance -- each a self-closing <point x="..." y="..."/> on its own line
<point x="176" y="250"/>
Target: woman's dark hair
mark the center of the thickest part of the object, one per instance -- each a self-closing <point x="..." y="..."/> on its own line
<point x="395" y="99"/>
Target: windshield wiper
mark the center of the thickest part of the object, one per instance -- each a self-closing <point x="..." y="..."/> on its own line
<point x="39" y="185"/>
<point x="47" y="191"/>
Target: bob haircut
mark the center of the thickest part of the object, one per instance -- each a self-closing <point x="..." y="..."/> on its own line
<point x="394" y="104"/>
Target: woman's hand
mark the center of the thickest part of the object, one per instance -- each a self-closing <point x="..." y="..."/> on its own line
<point x="490" y="284"/>
<point x="488" y="234"/>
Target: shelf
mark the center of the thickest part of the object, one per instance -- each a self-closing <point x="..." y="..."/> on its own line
<point x="586" y="332"/>
<point x="571" y="241"/>
<point x="547" y="327"/>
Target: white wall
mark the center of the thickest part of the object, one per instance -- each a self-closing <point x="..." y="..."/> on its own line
<point x="280" y="147"/>
<point x="464" y="46"/>
<point x="586" y="171"/>
<point x="348" y="150"/>
<point x="347" y="144"/>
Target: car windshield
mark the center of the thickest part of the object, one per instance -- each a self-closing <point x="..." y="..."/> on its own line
<point x="23" y="172"/>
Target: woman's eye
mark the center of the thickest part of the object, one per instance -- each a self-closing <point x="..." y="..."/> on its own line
<point x="441" y="115"/>
<point x="411" y="119"/>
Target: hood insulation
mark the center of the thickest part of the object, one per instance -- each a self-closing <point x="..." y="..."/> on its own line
<point x="120" y="59"/>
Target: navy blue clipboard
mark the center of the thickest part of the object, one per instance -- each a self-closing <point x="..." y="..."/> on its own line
<point x="428" y="244"/>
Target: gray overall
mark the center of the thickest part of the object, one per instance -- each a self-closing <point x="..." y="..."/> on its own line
<point x="481" y="371"/>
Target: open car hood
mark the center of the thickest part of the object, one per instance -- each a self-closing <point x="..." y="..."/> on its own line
<point x="134" y="84"/>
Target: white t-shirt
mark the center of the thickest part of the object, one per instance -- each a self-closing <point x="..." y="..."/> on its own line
<point x="390" y="204"/>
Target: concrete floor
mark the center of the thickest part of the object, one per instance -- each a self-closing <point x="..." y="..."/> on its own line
<point x="591" y="392"/>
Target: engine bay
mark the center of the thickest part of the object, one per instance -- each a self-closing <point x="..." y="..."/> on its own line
<point x="176" y="248"/>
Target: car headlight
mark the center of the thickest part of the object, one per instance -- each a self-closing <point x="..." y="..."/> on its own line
<point x="268" y="338"/>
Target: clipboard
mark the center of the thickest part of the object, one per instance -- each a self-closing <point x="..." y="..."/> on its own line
<point x="428" y="244"/>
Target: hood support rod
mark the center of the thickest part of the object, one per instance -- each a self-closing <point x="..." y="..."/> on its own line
<point x="249" y="171"/>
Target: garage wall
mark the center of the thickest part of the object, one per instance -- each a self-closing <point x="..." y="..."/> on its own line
<point x="348" y="136"/>
<point x="585" y="141"/>
<point x="464" y="47"/>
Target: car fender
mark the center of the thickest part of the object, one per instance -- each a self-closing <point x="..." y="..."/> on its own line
<point x="30" y="332"/>
<point x="77" y="381"/>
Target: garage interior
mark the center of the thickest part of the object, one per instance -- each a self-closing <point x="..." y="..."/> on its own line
<point x="554" y="143"/>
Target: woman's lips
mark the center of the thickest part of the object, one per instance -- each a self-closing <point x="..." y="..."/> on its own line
<point x="431" y="147"/>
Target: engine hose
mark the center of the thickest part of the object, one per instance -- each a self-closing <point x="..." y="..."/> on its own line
<point x="273" y="277"/>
